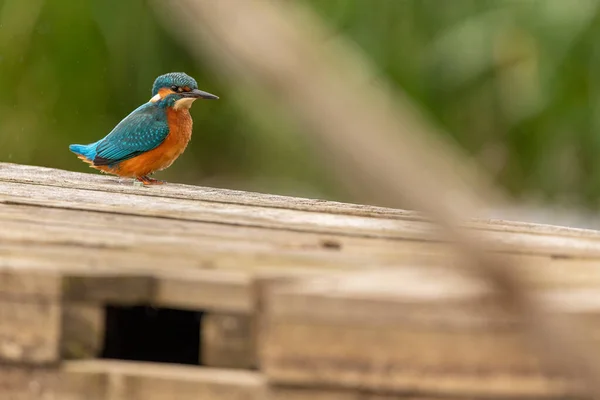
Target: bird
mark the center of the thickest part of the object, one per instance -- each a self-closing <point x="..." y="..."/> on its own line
<point x="152" y="136"/>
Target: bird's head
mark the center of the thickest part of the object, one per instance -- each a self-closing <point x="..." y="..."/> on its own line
<point x="177" y="90"/>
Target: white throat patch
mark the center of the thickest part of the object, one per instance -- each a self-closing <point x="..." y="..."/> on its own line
<point x="155" y="98"/>
<point x="186" y="102"/>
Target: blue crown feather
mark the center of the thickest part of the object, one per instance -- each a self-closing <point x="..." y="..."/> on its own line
<point x="173" y="79"/>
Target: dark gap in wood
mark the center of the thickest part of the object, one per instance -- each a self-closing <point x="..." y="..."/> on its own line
<point x="146" y="333"/>
<point x="331" y="244"/>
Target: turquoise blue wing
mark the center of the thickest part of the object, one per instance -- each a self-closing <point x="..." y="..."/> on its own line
<point x="141" y="131"/>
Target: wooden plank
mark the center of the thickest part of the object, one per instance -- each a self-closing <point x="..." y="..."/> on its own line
<point x="71" y="277"/>
<point x="186" y="289"/>
<point x="191" y="210"/>
<point x="295" y="250"/>
<point x="249" y="247"/>
<point x="83" y="328"/>
<point x="105" y="242"/>
<point x="93" y="229"/>
<point x="18" y="383"/>
<point x="59" y="178"/>
<point x="29" y="283"/>
<point x="424" y="331"/>
<point x="149" y="381"/>
<point x="277" y="392"/>
<point x="288" y="245"/>
<point x="175" y="280"/>
<point x="211" y="291"/>
<point x="228" y="341"/>
<point x="29" y="331"/>
<point x="118" y="288"/>
<point x="55" y="177"/>
<point x="102" y="380"/>
<point x="162" y="280"/>
<point x="555" y="269"/>
<point x="30" y="383"/>
<point x="114" y="380"/>
<point x="584" y="244"/>
<point x="145" y="245"/>
<point x="29" y="316"/>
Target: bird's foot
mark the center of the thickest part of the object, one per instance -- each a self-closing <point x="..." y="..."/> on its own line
<point x="146" y="180"/>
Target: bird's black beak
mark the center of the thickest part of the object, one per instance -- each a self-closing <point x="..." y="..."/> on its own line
<point x="199" y="94"/>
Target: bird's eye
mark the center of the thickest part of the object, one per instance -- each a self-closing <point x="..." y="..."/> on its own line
<point x="176" y="88"/>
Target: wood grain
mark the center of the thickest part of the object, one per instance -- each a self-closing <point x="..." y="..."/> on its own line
<point x="406" y="331"/>
<point x="82" y="331"/>
<point x="29" y="331"/>
<point x="95" y="182"/>
<point x="534" y="239"/>
<point x="228" y="341"/>
<point x="114" y="380"/>
<point x="278" y="392"/>
<point x="70" y="243"/>
<point x="54" y="177"/>
<point x="147" y="381"/>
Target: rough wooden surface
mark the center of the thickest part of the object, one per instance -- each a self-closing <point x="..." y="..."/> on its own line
<point x="419" y="331"/>
<point x="228" y="341"/>
<point x="71" y="243"/>
<point x="82" y="328"/>
<point x="71" y="191"/>
<point x="222" y="237"/>
<point x="276" y="392"/>
<point x="30" y="317"/>
<point x="29" y="331"/>
<point x="114" y="380"/>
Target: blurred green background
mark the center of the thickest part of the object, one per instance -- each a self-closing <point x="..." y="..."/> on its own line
<point x="515" y="82"/>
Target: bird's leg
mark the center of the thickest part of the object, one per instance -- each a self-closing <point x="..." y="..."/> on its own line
<point x="146" y="180"/>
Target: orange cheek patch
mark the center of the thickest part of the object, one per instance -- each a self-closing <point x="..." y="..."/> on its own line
<point x="163" y="92"/>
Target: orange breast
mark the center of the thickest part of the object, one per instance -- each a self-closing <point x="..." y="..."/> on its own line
<point x="180" y="133"/>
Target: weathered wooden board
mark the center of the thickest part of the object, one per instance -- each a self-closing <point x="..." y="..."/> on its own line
<point x="85" y="235"/>
<point x="29" y="331"/>
<point x="82" y="330"/>
<point x="228" y="341"/>
<point x="35" y="383"/>
<point x="148" y="381"/>
<point x="327" y="218"/>
<point x="29" y="284"/>
<point x="102" y="240"/>
<point x="277" y="392"/>
<point x="36" y="327"/>
<point x="85" y="247"/>
<point x="113" y="380"/>
<point x="30" y="313"/>
<point x="420" y="331"/>
<point x="97" y="182"/>
<point x="93" y="181"/>
<point x="52" y="177"/>
<point x="202" y="211"/>
<point x="94" y="217"/>
<point x="308" y="393"/>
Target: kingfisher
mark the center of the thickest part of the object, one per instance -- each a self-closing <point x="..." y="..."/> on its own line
<point x="150" y="138"/>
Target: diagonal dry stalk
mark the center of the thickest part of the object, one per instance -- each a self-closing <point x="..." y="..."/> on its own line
<point x="388" y="154"/>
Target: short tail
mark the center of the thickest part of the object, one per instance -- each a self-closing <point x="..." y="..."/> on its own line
<point x="84" y="151"/>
